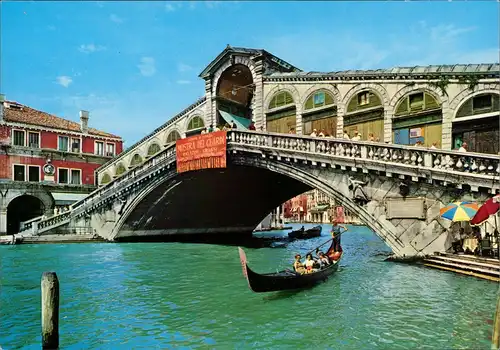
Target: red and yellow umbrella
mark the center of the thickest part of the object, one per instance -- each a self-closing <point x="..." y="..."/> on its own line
<point x="459" y="211"/>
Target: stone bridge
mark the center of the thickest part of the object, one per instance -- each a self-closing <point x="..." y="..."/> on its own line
<point x="396" y="190"/>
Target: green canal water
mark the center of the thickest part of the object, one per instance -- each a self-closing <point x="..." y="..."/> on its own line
<point x="173" y="295"/>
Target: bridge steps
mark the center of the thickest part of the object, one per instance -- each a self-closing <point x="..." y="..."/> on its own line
<point x="67" y="238"/>
<point x="480" y="267"/>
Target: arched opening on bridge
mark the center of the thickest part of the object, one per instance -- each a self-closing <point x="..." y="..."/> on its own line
<point x="120" y="169"/>
<point x="195" y="126"/>
<point x="153" y="149"/>
<point x="281" y="113"/>
<point x="105" y="179"/>
<point x="234" y="96"/>
<point x="476" y="123"/>
<point x="320" y="113"/>
<point x="417" y="117"/>
<point x="365" y="114"/>
<point x="22" y="208"/>
<point x="135" y="161"/>
<point x="172" y="137"/>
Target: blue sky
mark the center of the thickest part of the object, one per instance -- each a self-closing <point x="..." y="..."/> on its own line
<point x="134" y="65"/>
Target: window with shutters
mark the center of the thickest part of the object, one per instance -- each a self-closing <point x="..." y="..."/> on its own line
<point x="18" y="138"/>
<point x="63" y="143"/>
<point x="62" y="175"/>
<point x="34" y="139"/>
<point x="76" y="177"/>
<point x="19" y="173"/>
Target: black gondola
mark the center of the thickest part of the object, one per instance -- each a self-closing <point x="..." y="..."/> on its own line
<point x="288" y="279"/>
<point x="305" y="234"/>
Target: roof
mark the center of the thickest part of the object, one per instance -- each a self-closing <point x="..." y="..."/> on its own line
<point x="242" y="51"/>
<point x="436" y="70"/>
<point x="31" y="116"/>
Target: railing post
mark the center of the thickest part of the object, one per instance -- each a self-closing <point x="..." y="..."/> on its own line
<point x="34" y="228"/>
<point x="364" y="152"/>
<point x="428" y="159"/>
<point x="312" y="144"/>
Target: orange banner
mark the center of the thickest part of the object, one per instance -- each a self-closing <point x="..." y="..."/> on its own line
<point x="205" y="151"/>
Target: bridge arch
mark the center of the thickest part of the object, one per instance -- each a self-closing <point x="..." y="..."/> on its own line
<point x="23" y="208"/>
<point x="319" y="110"/>
<point x="281" y="110"/>
<point x="475" y="121"/>
<point x="120" y="169"/>
<point x="194" y="124"/>
<point x="172" y="136"/>
<point x="153" y="147"/>
<point x="418" y="117"/>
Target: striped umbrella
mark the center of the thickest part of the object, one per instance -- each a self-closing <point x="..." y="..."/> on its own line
<point x="459" y="211"/>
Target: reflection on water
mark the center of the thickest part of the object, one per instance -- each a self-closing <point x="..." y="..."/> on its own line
<point x="173" y="295"/>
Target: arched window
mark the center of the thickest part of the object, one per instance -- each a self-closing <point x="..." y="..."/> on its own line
<point x="195" y="123"/>
<point x="281" y="99"/>
<point x="319" y="99"/>
<point x="136" y="160"/>
<point x="173" y="136"/>
<point x="365" y="115"/>
<point x="105" y="179"/>
<point x="120" y="169"/>
<point x="153" y="149"/>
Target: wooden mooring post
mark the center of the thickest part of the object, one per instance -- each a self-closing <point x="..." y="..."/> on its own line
<point x="495" y="339"/>
<point x="50" y="311"/>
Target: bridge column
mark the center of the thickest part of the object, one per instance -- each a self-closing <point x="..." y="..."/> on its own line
<point x="3" y="220"/>
<point x="446" y="137"/>
<point x="388" y="115"/>
<point x="258" y="97"/>
<point x="209" y="115"/>
<point x="340" y="121"/>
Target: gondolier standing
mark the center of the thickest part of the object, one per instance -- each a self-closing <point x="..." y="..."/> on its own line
<point x="336" y="231"/>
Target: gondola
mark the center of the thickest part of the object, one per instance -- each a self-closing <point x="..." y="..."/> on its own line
<point x="288" y="279"/>
<point x="305" y="234"/>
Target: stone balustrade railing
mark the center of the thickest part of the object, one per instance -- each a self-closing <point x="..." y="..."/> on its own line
<point x="352" y="153"/>
<point x="421" y="157"/>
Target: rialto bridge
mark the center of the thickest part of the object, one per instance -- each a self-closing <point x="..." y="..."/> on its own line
<point x="397" y="189"/>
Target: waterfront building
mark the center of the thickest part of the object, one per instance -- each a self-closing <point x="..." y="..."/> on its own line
<point x="319" y="206"/>
<point x="46" y="162"/>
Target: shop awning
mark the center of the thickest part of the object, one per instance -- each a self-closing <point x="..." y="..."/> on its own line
<point x="241" y="123"/>
<point x="67" y="198"/>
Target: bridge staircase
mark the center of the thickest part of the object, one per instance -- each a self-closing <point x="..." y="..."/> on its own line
<point x="481" y="267"/>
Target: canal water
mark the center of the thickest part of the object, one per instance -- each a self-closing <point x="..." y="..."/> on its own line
<point x="173" y="295"/>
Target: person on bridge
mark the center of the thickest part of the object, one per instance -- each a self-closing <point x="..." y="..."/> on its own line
<point x="211" y="128"/>
<point x="233" y="125"/>
<point x="252" y="126"/>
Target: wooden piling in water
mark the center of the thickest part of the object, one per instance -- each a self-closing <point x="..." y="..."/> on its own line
<point x="495" y="339"/>
<point x="50" y="310"/>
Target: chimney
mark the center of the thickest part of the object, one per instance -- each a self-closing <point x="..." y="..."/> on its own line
<point x="84" y="121"/>
<point x="2" y="100"/>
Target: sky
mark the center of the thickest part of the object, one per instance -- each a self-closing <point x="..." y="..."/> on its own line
<point x="134" y="65"/>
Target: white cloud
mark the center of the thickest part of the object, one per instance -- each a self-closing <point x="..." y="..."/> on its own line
<point x="88" y="48"/>
<point x="147" y="66"/>
<point x="64" y="80"/>
<point x="183" y="82"/>
<point x="182" y="67"/>
<point x="115" y="18"/>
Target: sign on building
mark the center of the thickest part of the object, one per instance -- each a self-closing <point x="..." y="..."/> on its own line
<point x="205" y="151"/>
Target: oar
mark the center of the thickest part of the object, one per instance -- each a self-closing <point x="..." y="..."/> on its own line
<point x="331" y="239"/>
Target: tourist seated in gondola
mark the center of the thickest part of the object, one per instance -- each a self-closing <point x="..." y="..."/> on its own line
<point x="310" y="264"/>
<point x="324" y="260"/>
<point x="298" y="266"/>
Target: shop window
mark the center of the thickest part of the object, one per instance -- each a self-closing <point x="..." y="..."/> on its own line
<point x="363" y="98"/>
<point x="76" y="175"/>
<point x="195" y="123"/>
<point x="19" y="173"/>
<point x="482" y="102"/>
<point x="18" y="137"/>
<point x="34" y="139"/>
<point x="173" y="136"/>
<point x="62" y="176"/>
<point x="281" y="99"/>
<point x="416" y="101"/>
<point x="33" y="173"/>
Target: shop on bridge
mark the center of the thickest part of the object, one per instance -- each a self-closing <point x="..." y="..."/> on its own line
<point x="477" y="123"/>
<point x="418" y="117"/>
<point x="365" y="114"/>
<point x="195" y="126"/>
<point x="320" y="113"/>
<point x="282" y="114"/>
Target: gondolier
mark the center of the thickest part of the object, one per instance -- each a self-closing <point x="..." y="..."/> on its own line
<point x="336" y="232"/>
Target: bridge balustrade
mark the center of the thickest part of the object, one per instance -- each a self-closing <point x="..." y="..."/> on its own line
<point x="363" y="154"/>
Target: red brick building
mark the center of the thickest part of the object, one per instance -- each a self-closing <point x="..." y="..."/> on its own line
<point x="46" y="161"/>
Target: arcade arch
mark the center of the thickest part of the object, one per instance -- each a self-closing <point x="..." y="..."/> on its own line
<point x="23" y="208"/>
<point x="173" y="136"/>
<point x="320" y="113"/>
<point x="136" y="160"/>
<point x="195" y="126"/>
<point x="153" y="149"/>
<point x="365" y="114"/>
<point x="281" y="115"/>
